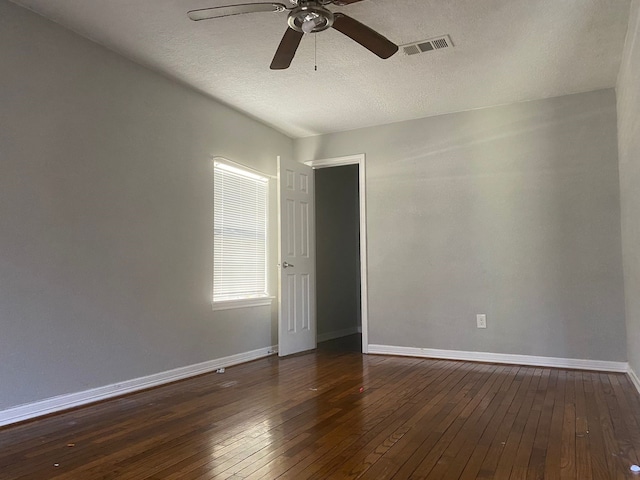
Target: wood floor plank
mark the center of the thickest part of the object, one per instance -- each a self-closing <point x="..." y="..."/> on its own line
<point x="626" y="416"/>
<point x="568" y="440"/>
<point x="425" y="419"/>
<point x="517" y="466"/>
<point x="453" y="459"/>
<point x="537" y="458"/>
<point x="453" y="428"/>
<point x="332" y="452"/>
<point x="483" y="461"/>
<point x="280" y="463"/>
<point x="617" y="435"/>
<point x="506" y="458"/>
<point x="416" y="446"/>
<point x="553" y="457"/>
<point x="432" y="398"/>
<point x="605" y="425"/>
<point x="600" y="458"/>
<point x="583" y="452"/>
<point x="372" y="404"/>
<point x="499" y="459"/>
<point x="344" y="415"/>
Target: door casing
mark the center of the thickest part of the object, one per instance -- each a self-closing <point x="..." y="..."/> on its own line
<point x="358" y="159"/>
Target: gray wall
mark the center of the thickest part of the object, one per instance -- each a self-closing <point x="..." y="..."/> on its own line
<point x="337" y="248"/>
<point x="106" y="216"/>
<point x="511" y="211"/>
<point x="628" y="91"/>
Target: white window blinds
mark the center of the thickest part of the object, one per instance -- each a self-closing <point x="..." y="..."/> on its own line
<point x="240" y="234"/>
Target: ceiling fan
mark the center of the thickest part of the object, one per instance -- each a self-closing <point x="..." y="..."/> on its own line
<point x="305" y="16"/>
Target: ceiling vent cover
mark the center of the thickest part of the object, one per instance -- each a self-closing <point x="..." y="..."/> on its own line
<point x="429" y="45"/>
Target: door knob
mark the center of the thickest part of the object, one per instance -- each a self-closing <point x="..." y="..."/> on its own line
<point x="287" y="264"/>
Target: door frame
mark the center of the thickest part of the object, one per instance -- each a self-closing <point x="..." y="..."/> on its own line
<point x="358" y="159"/>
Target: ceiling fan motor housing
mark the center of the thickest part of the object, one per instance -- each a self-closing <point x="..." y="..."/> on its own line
<point x="310" y="17"/>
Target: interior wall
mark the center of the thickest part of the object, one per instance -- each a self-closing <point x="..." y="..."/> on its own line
<point x="337" y="249"/>
<point x="511" y="211"/>
<point x="628" y="94"/>
<point x="106" y="202"/>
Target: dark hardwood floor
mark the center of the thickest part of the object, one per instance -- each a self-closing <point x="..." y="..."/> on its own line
<point x="350" y="343"/>
<point x="329" y="414"/>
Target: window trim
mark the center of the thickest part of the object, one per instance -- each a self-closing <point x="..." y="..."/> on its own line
<point x="256" y="301"/>
<point x="242" y="303"/>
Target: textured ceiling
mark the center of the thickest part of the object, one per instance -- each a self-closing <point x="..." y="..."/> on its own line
<point x="505" y="51"/>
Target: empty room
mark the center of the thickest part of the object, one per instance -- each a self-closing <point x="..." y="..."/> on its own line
<point x="319" y="239"/>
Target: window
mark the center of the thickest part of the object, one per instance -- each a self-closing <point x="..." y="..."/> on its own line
<point x="239" y="237"/>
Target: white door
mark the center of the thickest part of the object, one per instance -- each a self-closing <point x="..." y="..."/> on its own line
<point x="296" y="275"/>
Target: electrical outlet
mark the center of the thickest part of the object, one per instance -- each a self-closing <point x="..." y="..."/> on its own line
<point x="481" y="320"/>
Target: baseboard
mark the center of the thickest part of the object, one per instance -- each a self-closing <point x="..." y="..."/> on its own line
<point x="573" y="363"/>
<point x="72" y="400"/>
<point x="323" y="337"/>
<point x="634" y="379"/>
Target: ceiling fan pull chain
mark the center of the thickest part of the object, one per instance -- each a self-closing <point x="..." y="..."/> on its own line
<point x="315" y="51"/>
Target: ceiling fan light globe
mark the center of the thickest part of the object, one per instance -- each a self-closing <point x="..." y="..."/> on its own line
<point x="308" y="26"/>
<point x="310" y="19"/>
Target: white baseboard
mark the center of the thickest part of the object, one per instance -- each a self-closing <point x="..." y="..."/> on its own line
<point x="573" y="363"/>
<point x="71" y="400"/>
<point x="323" y="337"/>
<point x="634" y="379"/>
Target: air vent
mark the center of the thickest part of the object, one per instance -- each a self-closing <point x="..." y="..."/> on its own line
<point x="437" y="43"/>
<point x="411" y="50"/>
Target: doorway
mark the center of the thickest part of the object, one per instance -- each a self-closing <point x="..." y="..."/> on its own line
<point x="341" y="286"/>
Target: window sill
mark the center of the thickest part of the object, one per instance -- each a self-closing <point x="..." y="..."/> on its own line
<point x="242" y="303"/>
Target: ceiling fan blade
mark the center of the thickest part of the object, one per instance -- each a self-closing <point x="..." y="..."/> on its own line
<point x="365" y="36"/>
<point x="228" y="10"/>
<point x="341" y="3"/>
<point x="286" y="50"/>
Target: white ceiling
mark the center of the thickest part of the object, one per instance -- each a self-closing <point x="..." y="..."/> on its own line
<point x="505" y="51"/>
